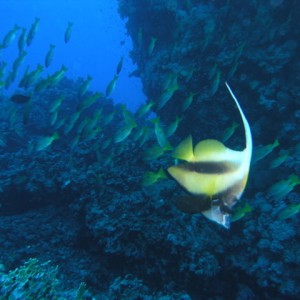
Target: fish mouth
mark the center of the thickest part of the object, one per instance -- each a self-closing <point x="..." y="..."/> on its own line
<point x="219" y="213"/>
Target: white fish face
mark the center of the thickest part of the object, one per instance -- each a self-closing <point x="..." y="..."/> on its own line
<point x="217" y="214"/>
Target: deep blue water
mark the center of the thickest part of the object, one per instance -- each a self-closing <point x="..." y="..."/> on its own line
<point x="98" y="42"/>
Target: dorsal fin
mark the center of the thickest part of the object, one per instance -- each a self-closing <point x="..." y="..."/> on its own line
<point x="246" y="126"/>
<point x="215" y="151"/>
<point x="184" y="150"/>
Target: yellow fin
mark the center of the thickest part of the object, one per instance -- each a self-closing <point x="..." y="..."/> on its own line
<point x="209" y="150"/>
<point x="184" y="150"/>
<point x="215" y="151"/>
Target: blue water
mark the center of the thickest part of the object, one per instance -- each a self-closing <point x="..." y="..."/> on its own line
<point x="97" y="42"/>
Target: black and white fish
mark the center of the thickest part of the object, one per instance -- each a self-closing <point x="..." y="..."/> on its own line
<point x="215" y="175"/>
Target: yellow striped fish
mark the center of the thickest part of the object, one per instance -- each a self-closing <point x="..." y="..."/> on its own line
<point x="215" y="175"/>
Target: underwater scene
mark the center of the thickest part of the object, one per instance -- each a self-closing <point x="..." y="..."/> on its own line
<point x="150" y="149"/>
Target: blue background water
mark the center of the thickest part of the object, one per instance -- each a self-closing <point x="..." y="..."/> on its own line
<point x="95" y="47"/>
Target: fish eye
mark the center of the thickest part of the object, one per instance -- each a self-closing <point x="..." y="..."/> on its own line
<point x="225" y="210"/>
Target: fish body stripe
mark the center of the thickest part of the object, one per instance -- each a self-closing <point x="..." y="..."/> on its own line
<point x="209" y="167"/>
<point x="202" y="202"/>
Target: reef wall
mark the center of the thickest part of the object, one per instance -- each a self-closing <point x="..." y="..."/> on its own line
<point x="253" y="45"/>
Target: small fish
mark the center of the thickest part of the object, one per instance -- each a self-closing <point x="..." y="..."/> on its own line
<point x="283" y="187"/>
<point x="59" y="123"/>
<point x="111" y="86"/>
<point x="159" y="132"/>
<point x="208" y="31"/>
<point x="92" y="134"/>
<point x="22" y="40"/>
<point x="155" y="152"/>
<point x="9" y="37"/>
<point x="75" y="141"/>
<point x="240" y="50"/>
<point x="140" y="38"/>
<point x="167" y="95"/>
<point x="32" y="31"/>
<point x="81" y="127"/>
<point x="124" y="132"/>
<point x="229" y="132"/>
<point x="89" y="101"/>
<point x="138" y="132"/>
<point x="188" y="101"/>
<point x="233" y="69"/>
<point x="261" y="152"/>
<point x="106" y="143"/>
<point x="119" y="66"/>
<point x="189" y="74"/>
<point x="84" y="86"/>
<point x="127" y="115"/>
<point x="240" y="212"/>
<point x="13" y="74"/>
<point x="24" y="78"/>
<point x="46" y="141"/>
<point x="171" y="129"/>
<point x="2" y="68"/>
<point x="73" y="119"/>
<point x="13" y="117"/>
<point x="212" y="72"/>
<point x="151" y="177"/>
<point x="42" y="85"/>
<point x="56" y="104"/>
<point x="49" y="55"/>
<point x="57" y="76"/>
<point x="275" y="163"/>
<point x="92" y="122"/>
<point x="215" y="175"/>
<point x="170" y="79"/>
<point x="216" y="83"/>
<point x="151" y="45"/>
<point x="145" y="136"/>
<point x="108" y="118"/>
<point x="18" y="62"/>
<point x="33" y="76"/>
<point x="289" y="211"/>
<point x="30" y="146"/>
<point x="108" y="160"/>
<point x="19" y="98"/>
<point x="144" y="109"/>
<point x="68" y="32"/>
<point x="53" y="118"/>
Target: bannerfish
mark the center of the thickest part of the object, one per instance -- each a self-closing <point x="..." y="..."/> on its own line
<point x="19" y="98"/>
<point x="215" y="175"/>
